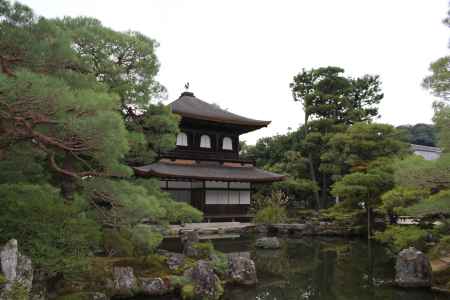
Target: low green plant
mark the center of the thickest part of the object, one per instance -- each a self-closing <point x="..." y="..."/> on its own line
<point x="273" y="210"/>
<point x="204" y="250"/>
<point x="17" y="292"/>
<point x="179" y="281"/>
<point x="220" y="263"/>
<point x="400" y="237"/>
<point x="188" y="292"/>
<point x="271" y="215"/>
<point x="3" y="279"/>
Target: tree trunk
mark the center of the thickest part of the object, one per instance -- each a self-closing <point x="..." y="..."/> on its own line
<point x="369" y="222"/>
<point x="324" y="195"/>
<point x="312" y="172"/>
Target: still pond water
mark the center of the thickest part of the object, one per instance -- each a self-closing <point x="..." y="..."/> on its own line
<point x="316" y="269"/>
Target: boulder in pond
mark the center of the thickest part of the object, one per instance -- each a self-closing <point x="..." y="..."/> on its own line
<point x="16" y="270"/>
<point x="268" y="243"/>
<point x="206" y="284"/>
<point x="242" y="270"/>
<point x="412" y="269"/>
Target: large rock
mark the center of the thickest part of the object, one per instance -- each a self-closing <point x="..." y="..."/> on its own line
<point x="207" y="285"/>
<point x="268" y="243"/>
<point x="154" y="286"/>
<point x="175" y="260"/>
<point x="189" y="239"/>
<point x="16" y="269"/>
<point x="412" y="269"/>
<point x="124" y="282"/>
<point x="242" y="270"/>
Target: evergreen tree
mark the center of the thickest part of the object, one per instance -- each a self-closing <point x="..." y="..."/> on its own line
<point x="74" y="101"/>
<point x="331" y="103"/>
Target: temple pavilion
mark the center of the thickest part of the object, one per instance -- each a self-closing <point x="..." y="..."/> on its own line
<point x="205" y="169"/>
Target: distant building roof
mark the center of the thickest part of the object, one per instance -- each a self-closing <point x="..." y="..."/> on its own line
<point x="208" y="172"/>
<point x="427" y="152"/>
<point x="189" y="106"/>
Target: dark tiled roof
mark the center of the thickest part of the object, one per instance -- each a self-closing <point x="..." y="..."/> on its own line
<point x="190" y="106"/>
<point x="207" y="172"/>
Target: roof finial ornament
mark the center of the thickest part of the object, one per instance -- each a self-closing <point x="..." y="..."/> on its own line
<point x="186" y="86"/>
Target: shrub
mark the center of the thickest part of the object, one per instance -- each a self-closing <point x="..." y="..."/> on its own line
<point x="182" y="212"/>
<point x="17" y="292"/>
<point x="442" y="249"/>
<point x="57" y="236"/>
<point x="220" y="263"/>
<point x="401" y="197"/>
<point x="271" y="215"/>
<point x="401" y="237"/>
<point x="435" y="205"/>
<point x="204" y="250"/>
<point x="145" y="240"/>
<point x="188" y="292"/>
<point x="117" y="243"/>
<point x="272" y="210"/>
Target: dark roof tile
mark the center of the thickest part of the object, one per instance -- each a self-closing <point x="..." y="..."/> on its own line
<point x="207" y="172"/>
<point x="190" y="106"/>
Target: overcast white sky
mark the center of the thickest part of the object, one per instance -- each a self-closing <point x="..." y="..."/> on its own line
<point x="242" y="55"/>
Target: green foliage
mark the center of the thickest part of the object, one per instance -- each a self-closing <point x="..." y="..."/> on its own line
<point x="174" y="211"/>
<point x="439" y="81"/>
<point x="17" y="292"/>
<point x="2" y="279"/>
<point x="416" y="172"/>
<point x="122" y="202"/>
<point x="436" y="205"/>
<point x="145" y="239"/>
<point x="204" y="250"/>
<point x="117" y="243"/>
<point x="220" y="263"/>
<point x="159" y="127"/>
<point x="361" y="144"/>
<point x="271" y="214"/>
<point x="319" y="89"/>
<point x="56" y="235"/>
<point x="442" y="249"/>
<point x="125" y="61"/>
<point x="401" y="237"/>
<point x="363" y="188"/>
<point x="400" y="197"/>
<point x="74" y="112"/>
<point x="442" y="121"/>
<point x="419" y="134"/>
<point x="182" y="212"/>
<point x="188" y="292"/>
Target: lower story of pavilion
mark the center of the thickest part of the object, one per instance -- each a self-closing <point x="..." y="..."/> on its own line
<point x="222" y="192"/>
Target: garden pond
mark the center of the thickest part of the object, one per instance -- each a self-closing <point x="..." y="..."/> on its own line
<point x="316" y="268"/>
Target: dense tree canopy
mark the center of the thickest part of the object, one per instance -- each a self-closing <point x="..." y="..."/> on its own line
<point x="75" y="111"/>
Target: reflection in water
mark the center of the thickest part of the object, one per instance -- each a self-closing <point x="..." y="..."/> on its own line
<point x="320" y="269"/>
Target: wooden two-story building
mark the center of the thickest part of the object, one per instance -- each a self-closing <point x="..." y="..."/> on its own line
<point x="204" y="169"/>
